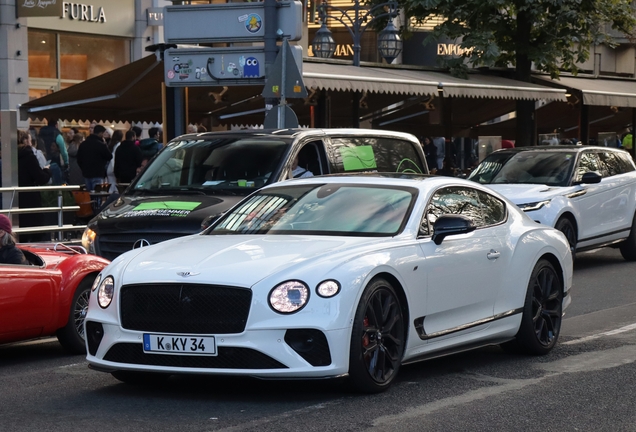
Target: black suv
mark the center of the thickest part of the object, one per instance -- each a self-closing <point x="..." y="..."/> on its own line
<point x="197" y="177"/>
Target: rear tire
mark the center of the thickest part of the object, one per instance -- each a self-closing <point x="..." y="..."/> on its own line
<point x="628" y="247"/>
<point x="72" y="336"/>
<point x="566" y="226"/>
<point x="542" y="312"/>
<point x="377" y="338"/>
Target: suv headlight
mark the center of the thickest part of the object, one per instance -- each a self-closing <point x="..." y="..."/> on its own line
<point x="105" y="292"/>
<point x="533" y="206"/>
<point x="289" y="297"/>
<point x="88" y="240"/>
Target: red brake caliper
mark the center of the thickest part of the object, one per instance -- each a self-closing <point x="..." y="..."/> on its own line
<point x="365" y="337"/>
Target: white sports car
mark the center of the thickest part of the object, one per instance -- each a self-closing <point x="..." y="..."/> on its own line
<point x="328" y="276"/>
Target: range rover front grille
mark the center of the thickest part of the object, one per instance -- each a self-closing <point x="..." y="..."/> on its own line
<point x="185" y="308"/>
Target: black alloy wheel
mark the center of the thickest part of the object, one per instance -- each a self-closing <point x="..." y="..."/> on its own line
<point x="542" y="312"/>
<point x="377" y="339"/>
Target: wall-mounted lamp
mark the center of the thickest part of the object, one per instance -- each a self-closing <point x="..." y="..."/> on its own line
<point x="18" y="25"/>
<point x="18" y="53"/>
<point x="19" y="80"/>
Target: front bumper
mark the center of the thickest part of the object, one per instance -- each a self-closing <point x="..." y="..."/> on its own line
<point x="270" y="353"/>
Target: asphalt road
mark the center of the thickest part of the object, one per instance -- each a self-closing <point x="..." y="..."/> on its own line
<point x="585" y="384"/>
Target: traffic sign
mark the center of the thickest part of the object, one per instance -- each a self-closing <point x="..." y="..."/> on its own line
<point x="228" y="22"/>
<point x="197" y="67"/>
<point x="285" y="77"/>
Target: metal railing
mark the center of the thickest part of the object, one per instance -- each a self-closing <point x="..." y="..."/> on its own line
<point x="60" y="228"/>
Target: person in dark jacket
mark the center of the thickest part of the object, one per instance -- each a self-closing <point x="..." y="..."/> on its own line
<point x="9" y="254"/>
<point x="30" y="174"/>
<point x="128" y="158"/>
<point x="93" y="157"/>
<point x="150" y="146"/>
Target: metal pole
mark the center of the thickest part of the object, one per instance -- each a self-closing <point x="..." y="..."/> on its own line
<point x="271" y="48"/>
<point x="283" y="80"/>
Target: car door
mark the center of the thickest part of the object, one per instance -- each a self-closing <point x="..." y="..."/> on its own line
<point x="618" y="207"/>
<point x="594" y="202"/>
<point x="464" y="271"/>
<point x="26" y="301"/>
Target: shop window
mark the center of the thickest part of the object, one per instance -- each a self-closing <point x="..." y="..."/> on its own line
<point x="42" y="55"/>
<point x="84" y="57"/>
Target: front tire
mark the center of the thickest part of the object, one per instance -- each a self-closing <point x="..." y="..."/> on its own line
<point x="542" y="312"/>
<point x="566" y="226"/>
<point x="628" y="247"/>
<point x="72" y="336"/>
<point x="377" y="338"/>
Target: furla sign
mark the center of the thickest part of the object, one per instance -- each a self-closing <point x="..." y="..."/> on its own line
<point x="83" y="12"/>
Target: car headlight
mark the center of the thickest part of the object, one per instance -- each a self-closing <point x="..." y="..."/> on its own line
<point x="98" y="279"/>
<point x="289" y="297"/>
<point x="533" y="206"/>
<point x="106" y="291"/>
<point x="328" y="288"/>
<point x="88" y="240"/>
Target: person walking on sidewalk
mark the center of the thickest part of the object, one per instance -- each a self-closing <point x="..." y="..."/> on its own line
<point x="92" y="157"/>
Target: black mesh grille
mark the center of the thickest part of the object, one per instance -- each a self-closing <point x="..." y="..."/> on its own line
<point x="185" y="308"/>
<point x="228" y="358"/>
<point x="110" y="246"/>
<point x="310" y="344"/>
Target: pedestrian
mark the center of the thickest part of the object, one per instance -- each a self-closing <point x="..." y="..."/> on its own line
<point x="9" y="253"/>
<point x="150" y="146"/>
<point x="75" y="176"/>
<point x="31" y="174"/>
<point x="430" y="151"/>
<point x="128" y="159"/>
<point x="55" y="153"/>
<point x="137" y="130"/>
<point x="92" y="158"/>
<point x="113" y="144"/>
<point x="440" y="145"/>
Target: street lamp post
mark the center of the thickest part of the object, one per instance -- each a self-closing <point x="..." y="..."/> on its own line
<point x="356" y="20"/>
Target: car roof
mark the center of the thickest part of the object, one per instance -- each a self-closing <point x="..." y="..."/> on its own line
<point x="557" y="148"/>
<point x="299" y="133"/>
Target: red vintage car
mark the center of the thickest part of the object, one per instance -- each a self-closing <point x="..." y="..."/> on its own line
<point x="49" y="296"/>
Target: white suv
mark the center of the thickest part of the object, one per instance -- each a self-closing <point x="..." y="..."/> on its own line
<point x="588" y="193"/>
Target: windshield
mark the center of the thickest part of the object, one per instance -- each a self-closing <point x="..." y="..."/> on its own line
<point x="526" y="167"/>
<point x="207" y="165"/>
<point x="321" y="209"/>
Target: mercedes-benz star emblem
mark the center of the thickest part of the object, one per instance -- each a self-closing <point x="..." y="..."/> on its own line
<point x="141" y="243"/>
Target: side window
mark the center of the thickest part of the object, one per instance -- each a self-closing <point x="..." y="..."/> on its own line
<point x="454" y="200"/>
<point x="611" y="163"/>
<point x="626" y="161"/>
<point x="587" y="162"/>
<point x="494" y="210"/>
<point x="359" y="154"/>
<point x="311" y="161"/>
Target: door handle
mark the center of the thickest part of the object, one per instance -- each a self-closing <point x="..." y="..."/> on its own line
<point x="493" y="254"/>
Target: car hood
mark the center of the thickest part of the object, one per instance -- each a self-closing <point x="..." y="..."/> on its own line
<point x="172" y="213"/>
<point x="527" y="193"/>
<point x="237" y="260"/>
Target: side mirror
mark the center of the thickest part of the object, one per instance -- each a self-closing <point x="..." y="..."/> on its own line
<point x="590" y="177"/>
<point x="451" y="225"/>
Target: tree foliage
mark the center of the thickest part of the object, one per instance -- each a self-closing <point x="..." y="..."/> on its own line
<point x="555" y="35"/>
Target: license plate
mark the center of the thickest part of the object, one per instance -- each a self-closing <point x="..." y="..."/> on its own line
<point x="179" y="344"/>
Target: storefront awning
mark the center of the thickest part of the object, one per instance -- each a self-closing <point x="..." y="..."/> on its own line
<point x="340" y="77"/>
<point x="596" y="91"/>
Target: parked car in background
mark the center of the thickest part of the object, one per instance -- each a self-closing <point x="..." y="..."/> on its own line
<point x="197" y="177"/>
<point x="588" y="193"/>
<point x="327" y="276"/>
<point x="49" y="296"/>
